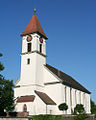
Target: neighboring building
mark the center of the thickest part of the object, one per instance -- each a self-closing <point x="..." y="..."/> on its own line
<point x="41" y="87"/>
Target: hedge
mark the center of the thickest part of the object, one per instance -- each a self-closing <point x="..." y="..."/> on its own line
<point x="46" y="117"/>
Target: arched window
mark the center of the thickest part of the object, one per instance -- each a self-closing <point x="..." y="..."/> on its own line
<point x="28" y="61"/>
<point x="40" y="48"/>
<point x="24" y="108"/>
<point x="29" y="47"/>
<point x="65" y="95"/>
<point x="76" y="97"/>
<point x="71" y="97"/>
<point x="80" y="97"/>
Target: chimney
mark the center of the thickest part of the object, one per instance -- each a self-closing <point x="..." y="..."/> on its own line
<point x="59" y="73"/>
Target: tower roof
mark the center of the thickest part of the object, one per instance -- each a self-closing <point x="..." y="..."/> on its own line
<point x="34" y="27"/>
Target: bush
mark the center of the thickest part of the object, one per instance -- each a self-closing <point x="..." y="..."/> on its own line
<point x="79" y="109"/>
<point x="58" y="117"/>
<point x="46" y="117"/>
<point x="63" y="107"/>
<point x="80" y="117"/>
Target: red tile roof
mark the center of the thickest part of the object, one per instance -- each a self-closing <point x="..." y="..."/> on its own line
<point x="26" y="99"/>
<point x="34" y="27"/>
<point x="45" y="98"/>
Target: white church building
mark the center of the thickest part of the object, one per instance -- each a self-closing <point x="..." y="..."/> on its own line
<point x="41" y="87"/>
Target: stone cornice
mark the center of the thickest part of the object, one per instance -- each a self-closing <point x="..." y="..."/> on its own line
<point x="33" y="52"/>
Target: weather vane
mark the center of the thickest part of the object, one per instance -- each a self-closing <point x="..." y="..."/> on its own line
<point x="34" y="6"/>
<point x="34" y="10"/>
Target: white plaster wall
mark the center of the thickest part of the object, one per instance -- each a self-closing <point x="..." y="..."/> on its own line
<point x="32" y="74"/>
<point x="24" y="90"/>
<point x="28" y="71"/>
<point x="40" y="62"/>
<point x="68" y="100"/>
<point x="82" y="102"/>
<point x="49" y="77"/>
<point x="51" y="109"/>
<point x="87" y="103"/>
<point x="55" y="93"/>
<point x="73" y="99"/>
<point x="35" y="43"/>
<point x="34" y="108"/>
<point x="30" y="107"/>
<point x="84" y="99"/>
<point x="40" y="106"/>
<point x="77" y="96"/>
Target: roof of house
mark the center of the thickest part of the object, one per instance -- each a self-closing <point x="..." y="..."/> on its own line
<point x="34" y="27"/>
<point x="45" y="98"/>
<point x="67" y="80"/>
<point x="26" y="99"/>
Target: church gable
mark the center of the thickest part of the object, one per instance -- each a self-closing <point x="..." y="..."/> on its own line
<point x="66" y="79"/>
<point x="50" y="77"/>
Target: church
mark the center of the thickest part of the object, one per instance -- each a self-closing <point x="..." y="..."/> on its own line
<point x="41" y="87"/>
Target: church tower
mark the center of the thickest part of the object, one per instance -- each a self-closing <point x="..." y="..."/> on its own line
<point x="33" y="56"/>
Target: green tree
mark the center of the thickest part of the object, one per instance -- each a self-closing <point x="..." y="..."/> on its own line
<point x="6" y="93"/>
<point x="79" y="109"/>
<point x="93" y="107"/>
<point x="63" y="107"/>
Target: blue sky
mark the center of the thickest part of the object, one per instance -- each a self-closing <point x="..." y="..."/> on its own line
<point x="70" y="26"/>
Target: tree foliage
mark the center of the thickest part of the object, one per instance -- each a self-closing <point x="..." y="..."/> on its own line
<point x="63" y="107"/>
<point x="6" y="93"/>
<point x="93" y="107"/>
<point x="79" y="109"/>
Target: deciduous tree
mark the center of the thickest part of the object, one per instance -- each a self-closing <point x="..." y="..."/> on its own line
<point x="6" y="93"/>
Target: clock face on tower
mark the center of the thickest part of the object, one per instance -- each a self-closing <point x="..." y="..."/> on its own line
<point x="29" y="38"/>
<point x="41" y="39"/>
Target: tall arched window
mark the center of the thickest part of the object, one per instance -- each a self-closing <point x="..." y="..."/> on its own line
<point x="29" y="47"/>
<point x="40" y="48"/>
<point x="84" y="99"/>
<point x="65" y="96"/>
<point x="75" y="97"/>
<point x="71" y="97"/>
<point x="80" y="97"/>
<point x="24" y="108"/>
